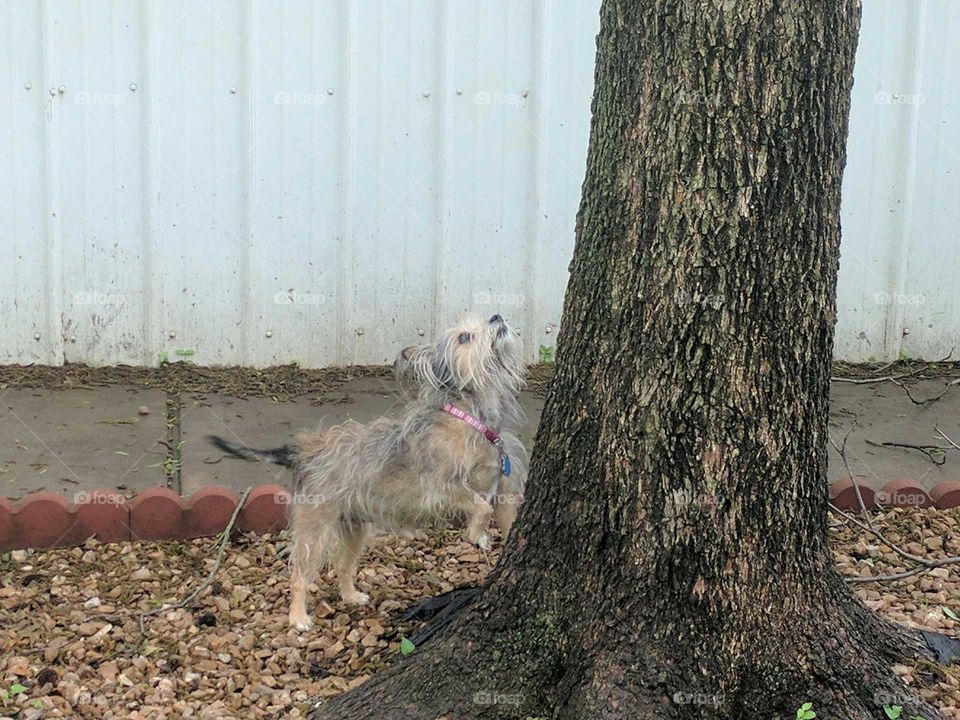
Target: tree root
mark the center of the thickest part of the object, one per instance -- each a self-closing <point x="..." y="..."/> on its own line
<point x="532" y="662"/>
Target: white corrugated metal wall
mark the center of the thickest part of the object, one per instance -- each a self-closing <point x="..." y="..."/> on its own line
<point x="899" y="289"/>
<point x="262" y="182"/>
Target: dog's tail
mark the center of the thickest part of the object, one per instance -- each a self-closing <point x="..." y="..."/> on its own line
<point x="286" y="455"/>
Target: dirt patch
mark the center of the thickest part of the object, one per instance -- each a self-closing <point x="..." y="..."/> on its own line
<point x="70" y="636"/>
<point x="280" y="382"/>
<point x="901" y="370"/>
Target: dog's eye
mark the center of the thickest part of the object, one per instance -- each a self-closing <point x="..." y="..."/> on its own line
<point x="464" y="338"/>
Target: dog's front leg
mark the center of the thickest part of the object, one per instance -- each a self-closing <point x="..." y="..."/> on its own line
<point x="353" y="538"/>
<point x="508" y="498"/>
<point x="479" y="512"/>
<point x="506" y="512"/>
<point x="300" y="573"/>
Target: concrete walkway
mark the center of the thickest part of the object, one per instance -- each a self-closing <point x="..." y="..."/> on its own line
<point x="127" y="439"/>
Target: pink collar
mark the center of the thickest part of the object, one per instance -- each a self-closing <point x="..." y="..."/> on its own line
<point x="488" y="432"/>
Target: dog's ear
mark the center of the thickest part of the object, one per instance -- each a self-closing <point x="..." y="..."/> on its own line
<point x="442" y="374"/>
<point x="427" y="364"/>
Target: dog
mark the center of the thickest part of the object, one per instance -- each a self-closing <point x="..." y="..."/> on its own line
<point x="452" y="450"/>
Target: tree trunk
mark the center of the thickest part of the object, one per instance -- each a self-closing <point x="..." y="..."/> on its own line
<point x="671" y="559"/>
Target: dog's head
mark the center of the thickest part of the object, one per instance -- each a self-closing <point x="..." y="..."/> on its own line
<point x="476" y="355"/>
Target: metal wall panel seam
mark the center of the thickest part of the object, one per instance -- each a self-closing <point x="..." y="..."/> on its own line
<point x="147" y="88"/>
<point x="52" y="141"/>
<point x="536" y="316"/>
<point x="910" y="182"/>
<point x="248" y="130"/>
<point x="347" y="74"/>
<point x="444" y="234"/>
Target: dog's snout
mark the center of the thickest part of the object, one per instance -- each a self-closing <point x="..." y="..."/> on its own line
<point x="496" y="319"/>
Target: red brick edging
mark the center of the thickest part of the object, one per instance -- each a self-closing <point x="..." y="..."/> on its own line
<point x="47" y="519"/>
<point x="896" y="493"/>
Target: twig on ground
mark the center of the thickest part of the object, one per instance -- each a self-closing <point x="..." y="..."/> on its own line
<point x="224" y="541"/>
<point x="928" y="401"/>
<point x="933" y="452"/>
<point x="842" y="451"/>
<point x="943" y="435"/>
<point x="882" y="378"/>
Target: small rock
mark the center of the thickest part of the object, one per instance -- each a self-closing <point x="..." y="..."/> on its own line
<point x="70" y="692"/>
<point x="141" y="574"/>
<point x="52" y="650"/>
<point x="89" y="628"/>
<point x="324" y="609"/>
<point x="334" y="650"/>
<point x="109" y="670"/>
<point x="166" y="689"/>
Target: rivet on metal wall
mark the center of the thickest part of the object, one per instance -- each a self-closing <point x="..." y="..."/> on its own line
<point x="53" y="91"/>
<point x="133" y="87"/>
<point x="459" y="91"/>
<point x="421" y="332"/>
<point x="269" y="333"/>
<point x="73" y="338"/>
<point x="426" y="93"/>
<point x="173" y="334"/>
<point x="906" y="331"/>
<point x="359" y="331"/>
<point x="36" y="336"/>
<point x="329" y="91"/>
<point x="62" y="89"/>
<point x="524" y="93"/>
<point x="28" y="85"/>
<point x="548" y="329"/>
<point x="233" y="90"/>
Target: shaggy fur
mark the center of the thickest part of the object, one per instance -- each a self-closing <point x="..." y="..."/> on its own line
<point x="406" y="470"/>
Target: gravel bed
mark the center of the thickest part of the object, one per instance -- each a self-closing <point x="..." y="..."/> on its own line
<point x="71" y="644"/>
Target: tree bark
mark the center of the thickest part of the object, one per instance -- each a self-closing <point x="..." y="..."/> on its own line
<point x="671" y="559"/>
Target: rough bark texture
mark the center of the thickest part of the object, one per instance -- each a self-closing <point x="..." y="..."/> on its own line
<point x="653" y="572"/>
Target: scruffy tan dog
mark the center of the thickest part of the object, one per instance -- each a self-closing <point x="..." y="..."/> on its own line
<point x="451" y="451"/>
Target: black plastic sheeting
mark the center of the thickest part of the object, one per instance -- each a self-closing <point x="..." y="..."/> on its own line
<point x="439" y="611"/>
<point x="944" y="647"/>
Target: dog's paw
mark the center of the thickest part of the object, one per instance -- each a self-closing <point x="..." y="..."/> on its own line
<point x="483" y="542"/>
<point x="356" y="598"/>
<point x="301" y="623"/>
